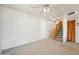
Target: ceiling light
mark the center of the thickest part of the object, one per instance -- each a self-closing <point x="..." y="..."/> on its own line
<point x="46" y="10"/>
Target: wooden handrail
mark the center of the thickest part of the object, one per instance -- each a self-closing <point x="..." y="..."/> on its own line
<point x="56" y="30"/>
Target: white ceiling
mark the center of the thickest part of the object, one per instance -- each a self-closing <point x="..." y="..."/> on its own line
<point x="57" y="10"/>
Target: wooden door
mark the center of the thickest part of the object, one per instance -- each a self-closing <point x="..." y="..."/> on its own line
<point x="71" y="30"/>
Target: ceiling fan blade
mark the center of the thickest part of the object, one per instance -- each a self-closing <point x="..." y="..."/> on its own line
<point x="51" y="20"/>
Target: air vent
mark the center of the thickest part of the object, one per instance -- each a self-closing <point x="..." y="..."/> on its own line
<point x="71" y="13"/>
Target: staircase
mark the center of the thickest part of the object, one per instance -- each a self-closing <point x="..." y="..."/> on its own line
<point x="59" y="36"/>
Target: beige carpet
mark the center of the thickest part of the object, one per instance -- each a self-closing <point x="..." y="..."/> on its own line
<point x="44" y="47"/>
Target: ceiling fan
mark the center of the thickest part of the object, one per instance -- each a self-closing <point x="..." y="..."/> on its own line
<point x="44" y="8"/>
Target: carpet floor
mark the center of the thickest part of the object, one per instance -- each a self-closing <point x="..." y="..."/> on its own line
<point x="44" y="47"/>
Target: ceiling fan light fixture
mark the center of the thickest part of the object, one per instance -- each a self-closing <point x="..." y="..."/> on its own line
<point x="46" y="10"/>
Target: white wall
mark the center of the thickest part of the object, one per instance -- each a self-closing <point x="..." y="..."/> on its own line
<point x="77" y="27"/>
<point x="0" y="29"/>
<point x="46" y="28"/>
<point x="77" y="31"/>
<point x="64" y="30"/>
<point x="19" y="28"/>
